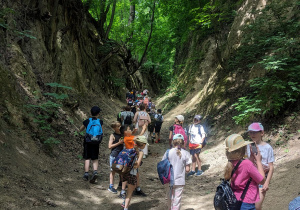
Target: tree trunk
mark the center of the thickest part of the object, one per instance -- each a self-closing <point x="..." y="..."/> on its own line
<point x="111" y="19"/>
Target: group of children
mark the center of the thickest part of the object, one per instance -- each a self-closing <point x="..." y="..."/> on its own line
<point x="258" y="166"/>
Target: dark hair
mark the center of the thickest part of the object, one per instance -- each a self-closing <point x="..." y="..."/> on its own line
<point x="142" y="107"/>
<point x="95" y="110"/>
<point x="147" y="110"/>
<point x="127" y="108"/>
<point x="159" y="111"/>
<point x="126" y="126"/>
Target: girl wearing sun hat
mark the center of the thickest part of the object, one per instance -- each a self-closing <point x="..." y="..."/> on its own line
<point x="245" y="172"/>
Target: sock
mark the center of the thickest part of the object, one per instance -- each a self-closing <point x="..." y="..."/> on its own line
<point x="111" y="186"/>
<point x="86" y="173"/>
<point x="125" y="208"/>
<point x="123" y="191"/>
<point x="138" y="189"/>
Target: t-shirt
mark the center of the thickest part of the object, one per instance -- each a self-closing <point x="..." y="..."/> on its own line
<point x="86" y="122"/>
<point x="156" y="117"/>
<point x="240" y="178"/>
<point x="125" y="114"/>
<point x="129" y="143"/>
<point x="266" y="152"/>
<point x="116" y="150"/>
<point x="179" y="164"/>
<point x="196" y="138"/>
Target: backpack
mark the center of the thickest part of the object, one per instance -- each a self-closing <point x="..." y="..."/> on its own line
<point x="124" y="162"/>
<point x="119" y="117"/>
<point x="178" y="129"/>
<point x="159" y="120"/>
<point x="152" y="117"/>
<point x="94" y="132"/>
<point x="130" y="102"/>
<point x="165" y="171"/>
<point x="199" y="132"/>
<point x="224" y="198"/>
<point x="127" y="120"/>
<point x="143" y="119"/>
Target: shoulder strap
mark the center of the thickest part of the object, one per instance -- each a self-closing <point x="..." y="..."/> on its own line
<point x="236" y="167"/>
<point x="246" y="189"/>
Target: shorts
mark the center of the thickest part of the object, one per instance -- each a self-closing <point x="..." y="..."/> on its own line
<point x="157" y="128"/>
<point x="111" y="160"/>
<point x="260" y="186"/>
<point x="151" y="128"/>
<point x="90" y="151"/>
<point x="248" y="206"/>
<point x="195" y="151"/>
<point x="131" y="179"/>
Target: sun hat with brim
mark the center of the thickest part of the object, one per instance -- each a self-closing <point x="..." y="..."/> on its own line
<point x="178" y="136"/>
<point x="142" y="139"/>
<point x="255" y="127"/>
<point x="234" y="142"/>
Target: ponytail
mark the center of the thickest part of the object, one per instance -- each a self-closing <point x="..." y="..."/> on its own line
<point x="179" y="143"/>
<point x="228" y="171"/>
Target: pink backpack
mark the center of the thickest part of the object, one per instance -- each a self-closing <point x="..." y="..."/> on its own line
<point x="178" y="129"/>
<point x="143" y="119"/>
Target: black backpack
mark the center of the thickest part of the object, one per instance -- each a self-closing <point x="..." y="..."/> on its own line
<point x="127" y="120"/>
<point x="224" y="198"/>
<point x="159" y="120"/>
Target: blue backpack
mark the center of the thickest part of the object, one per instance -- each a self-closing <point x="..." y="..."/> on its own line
<point x="165" y="171"/>
<point x="94" y="132"/>
<point x="124" y="162"/>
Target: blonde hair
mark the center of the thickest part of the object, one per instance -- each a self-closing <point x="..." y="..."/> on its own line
<point x="115" y="124"/>
<point x="234" y="155"/>
<point x="179" y="143"/>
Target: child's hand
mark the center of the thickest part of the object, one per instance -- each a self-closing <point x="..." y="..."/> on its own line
<point x="136" y="165"/>
<point x="257" y="156"/>
<point x="265" y="187"/>
<point x="121" y="141"/>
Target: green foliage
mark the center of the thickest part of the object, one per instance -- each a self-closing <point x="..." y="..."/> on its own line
<point x="272" y="42"/>
<point x="46" y="111"/>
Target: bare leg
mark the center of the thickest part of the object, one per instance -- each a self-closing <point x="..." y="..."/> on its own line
<point x="262" y="195"/>
<point x="129" y="195"/>
<point x="198" y="161"/>
<point x="95" y="164"/>
<point x="86" y="165"/>
<point x="111" y="177"/>
<point x="194" y="163"/>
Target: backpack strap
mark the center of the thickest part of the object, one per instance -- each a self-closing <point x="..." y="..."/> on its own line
<point x="168" y="153"/>
<point x="246" y="189"/>
<point x="236" y="167"/>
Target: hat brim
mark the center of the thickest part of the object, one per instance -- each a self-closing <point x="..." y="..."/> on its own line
<point x="238" y="146"/>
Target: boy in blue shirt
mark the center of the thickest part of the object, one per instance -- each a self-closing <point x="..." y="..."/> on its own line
<point x="91" y="151"/>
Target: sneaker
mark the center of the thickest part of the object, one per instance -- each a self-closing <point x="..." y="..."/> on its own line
<point x="94" y="178"/>
<point x="85" y="177"/>
<point x="191" y="173"/>
<point x="140" y="192"/>
<point x="199" y="173"/>
<point x="122" y="195"/>
<point x="113" y="190"/>
<point x="144" y="156"/>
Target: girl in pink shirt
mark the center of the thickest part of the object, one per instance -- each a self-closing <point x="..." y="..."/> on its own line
<point x="235" y="151"/>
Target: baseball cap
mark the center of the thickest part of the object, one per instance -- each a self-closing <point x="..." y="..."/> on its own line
<point x="255" y="127"/>
<point x="180" y="118"/>
<point x="142" y="139"/>
<point x="178" y="136"/>
<point x="234" y="142"/>
<point x="198" y="117"/>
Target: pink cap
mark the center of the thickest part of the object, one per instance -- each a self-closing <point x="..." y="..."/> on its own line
<point x="255" y="127"/>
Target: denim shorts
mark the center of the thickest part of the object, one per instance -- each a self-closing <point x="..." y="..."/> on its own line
<point x="111" y="160"/>
<point x="260" y="186"/>
<point x="248" y="206"/>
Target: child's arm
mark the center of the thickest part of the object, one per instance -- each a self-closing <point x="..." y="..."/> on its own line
<point x="111" y="140"/>
<point x="269" y="177"/>
<point x="187" y="168"/>
<point x="138" y="162"/>
<point x="82" y="127"/>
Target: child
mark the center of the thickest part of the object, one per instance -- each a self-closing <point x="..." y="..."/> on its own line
<point x="178" y="124"/>
<point x="91" y="151"/>
<point x="159" y="119"/>
<point x="116" y="145"/>
<point x="196" y="139"/>
<point x="180" y="160"/>
<point x="256" y="132"/>
<point x="235" y="151"/>
<point x="131" y="177"/>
